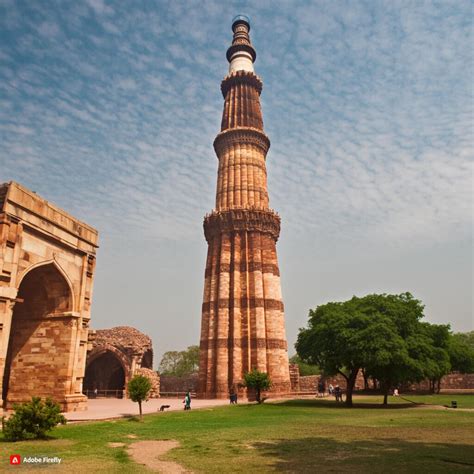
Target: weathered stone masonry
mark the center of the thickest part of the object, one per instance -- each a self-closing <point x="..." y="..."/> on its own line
<point x="242" y="324"/>
<point x="114" y="356"/>
<point x="47" y="262"/>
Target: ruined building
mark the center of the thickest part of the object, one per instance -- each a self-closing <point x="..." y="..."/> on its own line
<point x="114" y="356"/>
<point x="242" y="325"/>
<point x="47" y="261"/>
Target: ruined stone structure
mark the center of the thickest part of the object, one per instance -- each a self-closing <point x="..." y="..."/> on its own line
<point x="114" y="356"/>
<point x="242" y="324"/>
<point x="47" y="261"/>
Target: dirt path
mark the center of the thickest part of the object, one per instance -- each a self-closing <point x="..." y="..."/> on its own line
<point x="149" y="453"/>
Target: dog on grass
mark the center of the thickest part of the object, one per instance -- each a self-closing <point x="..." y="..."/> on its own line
<point x="163" y="407"/>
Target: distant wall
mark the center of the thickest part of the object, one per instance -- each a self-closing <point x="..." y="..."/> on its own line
<point x="309" y="383"/>
<point x="172" y="384"/>
<point x="452" y="381"/>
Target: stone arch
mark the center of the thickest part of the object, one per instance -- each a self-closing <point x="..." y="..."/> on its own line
<point x="39" y="340"/>
<point x="108" y="371"/>
<point x="59" y="268"/>
<point x="99" y="350"/>
<point x="132" y="347"/>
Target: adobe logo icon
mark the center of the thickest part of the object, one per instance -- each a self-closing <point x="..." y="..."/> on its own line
<point x="15" y="459"/>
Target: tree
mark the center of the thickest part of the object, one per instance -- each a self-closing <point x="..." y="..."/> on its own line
<point x="304" y="368"/>
<point x="437" y="359"/>
<point x="32" y="419"/>
<point x="466" y="337"/>
<point x="138" y="390"/>
<point x="169" y="364"/>
<point x="180" y="363"/>
<point x="380" y="334"/>
<point x="258" y="381"/>
<point x="461" y="352"/>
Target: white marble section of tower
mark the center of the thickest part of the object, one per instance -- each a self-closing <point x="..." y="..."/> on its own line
<point x="241" y="54"/>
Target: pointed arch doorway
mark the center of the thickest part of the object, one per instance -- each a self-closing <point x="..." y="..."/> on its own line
<point x="105" y="375"/>
<point x="39" y="344"/>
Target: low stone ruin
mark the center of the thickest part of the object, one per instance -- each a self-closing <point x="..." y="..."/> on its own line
<point x="114" y="356"/>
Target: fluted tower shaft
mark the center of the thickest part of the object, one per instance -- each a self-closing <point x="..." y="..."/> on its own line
<point x="242" y="324"/>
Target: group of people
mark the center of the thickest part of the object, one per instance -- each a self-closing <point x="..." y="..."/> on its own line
<point x="336" y="391"/>
<point x="187" y="399"/>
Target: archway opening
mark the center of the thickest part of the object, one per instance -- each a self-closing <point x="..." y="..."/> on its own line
<point x="147" y="360"/>
<point x="37" y="342"/>
<point x="105" y="377"/>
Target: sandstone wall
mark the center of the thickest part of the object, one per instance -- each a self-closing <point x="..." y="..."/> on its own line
<point x="452" y="381"/>
<point x="171" y="384"/>
<point x="309" y="383"/>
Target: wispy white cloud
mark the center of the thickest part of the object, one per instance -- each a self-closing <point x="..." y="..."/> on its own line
<point x="368" y="107"/>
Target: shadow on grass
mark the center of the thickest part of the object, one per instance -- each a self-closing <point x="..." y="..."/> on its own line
<point x="381" y="455"/>
<point x="26" y="440"/>
<point x="128" y="417"/>
<point x="333" y="404"/>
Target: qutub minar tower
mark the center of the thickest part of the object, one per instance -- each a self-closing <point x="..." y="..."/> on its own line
<point x="243" y="325"/>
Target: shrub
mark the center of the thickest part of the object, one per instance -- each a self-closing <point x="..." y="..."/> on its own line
<point x="32" y="419"/>
<point x="139" y="389"/>
<point x="258" y="381"/>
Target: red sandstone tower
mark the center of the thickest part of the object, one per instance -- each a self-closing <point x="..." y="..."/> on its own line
<point x="242" y="325"/>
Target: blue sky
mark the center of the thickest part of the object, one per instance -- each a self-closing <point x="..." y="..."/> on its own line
<point x="109" y="110"/>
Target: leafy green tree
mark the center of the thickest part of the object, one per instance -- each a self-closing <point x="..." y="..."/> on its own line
<point x="380" y="334"/>
<point x="258" y="381"/>
<point x="305" y="369"/>
<point x="139" y="390"/>
<point x="180" y="363"/>
<point x="461" y="352"/>
<point x="170" y="363"/>
<point x="466" y="338"/>
<point x="437" y="360"/>
<point x="32" y="419"/>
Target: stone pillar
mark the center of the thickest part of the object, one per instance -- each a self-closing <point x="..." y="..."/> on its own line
<point x="7" y="302"/>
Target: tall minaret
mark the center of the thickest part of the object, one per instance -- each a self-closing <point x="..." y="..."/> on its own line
<point x="242" y="325"/>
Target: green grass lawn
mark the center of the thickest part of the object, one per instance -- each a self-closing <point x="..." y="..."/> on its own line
<point x="295" y="436"/>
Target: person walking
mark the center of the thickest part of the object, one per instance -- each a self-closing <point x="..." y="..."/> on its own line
<point x="233" y="396"/>
<point x="331" y="389"/>
<point x="321" y="388"/>
<point x="187" y="401"/>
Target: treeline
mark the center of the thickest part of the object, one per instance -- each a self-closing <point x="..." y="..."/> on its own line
<point x="384" y="337"/>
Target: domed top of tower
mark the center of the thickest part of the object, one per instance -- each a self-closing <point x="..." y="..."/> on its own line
<point x="241" y="54"/>
<point x="238" y="19"/>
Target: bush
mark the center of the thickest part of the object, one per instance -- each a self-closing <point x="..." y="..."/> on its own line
<point x="258" y="381"/>
<point x="32" y="419"/>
